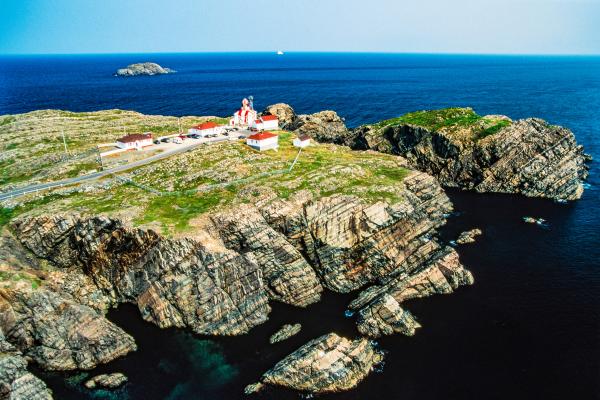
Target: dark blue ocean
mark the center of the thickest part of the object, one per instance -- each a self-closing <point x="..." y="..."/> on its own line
<point x="530" y="326"/>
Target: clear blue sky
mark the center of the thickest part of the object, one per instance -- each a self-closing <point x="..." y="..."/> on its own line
<point x="449" y="26"/>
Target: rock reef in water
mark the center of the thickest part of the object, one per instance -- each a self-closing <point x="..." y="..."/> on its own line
<point x="147" y="68"/>
<point x="330" y="363"/>
<point x="487" y="154"/>
<point x="468" y="236"/>
<point x="285" y="332"/>
<point x="106" y="381"/>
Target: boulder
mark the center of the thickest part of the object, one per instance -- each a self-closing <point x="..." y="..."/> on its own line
<point x="324" y="126"/>
<point x="284" y="112"/>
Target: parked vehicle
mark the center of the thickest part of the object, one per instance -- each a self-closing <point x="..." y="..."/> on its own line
<point x="178" y="140"/>
<point x="156" y="141"/>
<point x="165" y="140"/>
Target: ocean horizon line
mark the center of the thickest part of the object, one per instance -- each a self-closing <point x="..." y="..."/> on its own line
<point x="274" y="52"/>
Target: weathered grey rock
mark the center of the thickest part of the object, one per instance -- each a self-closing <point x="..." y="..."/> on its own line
<point x="329" y="363"/>
<point x="57" y="332"/>
<point x="285" y="332"/>
<point x="378" y="305"/>
<point x="16" y="383"/>
<point x="351" y="243"/>
<point x="284" y="112"/>
<point x="177" y="283"/>
<point x="324" y="126"/>
<point x="288" y="276"/>
<point x="468" y="236"/>
<point x="147" y="68"/>
<point x="106" y="381"/>
<point x="528" y="156"/>
<point x="385" y="316"/>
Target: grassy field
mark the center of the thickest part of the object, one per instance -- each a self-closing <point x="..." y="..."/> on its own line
<point x="211" y="177"/>
<point x="32" y="149"/>
<point x="462" y="123"/>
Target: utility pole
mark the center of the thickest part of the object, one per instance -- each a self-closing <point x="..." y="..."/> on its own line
<point x="65" y="142"/>
<point x="100" y="158"/>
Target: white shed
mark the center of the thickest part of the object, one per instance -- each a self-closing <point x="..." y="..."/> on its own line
<point x="302" y="141"/>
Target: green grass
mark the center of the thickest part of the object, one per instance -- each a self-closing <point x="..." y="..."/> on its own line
<point x="492" y="129"/>
<point x="178" y="209"/>
<point x="10" y="276"/>
<point x="7" y="120"/>
<point x="449" y="118"/>
<point x="436" y="119"/>
<point x="6" y="214"/>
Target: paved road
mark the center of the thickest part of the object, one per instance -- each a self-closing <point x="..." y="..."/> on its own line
<point x="96" y="175"/>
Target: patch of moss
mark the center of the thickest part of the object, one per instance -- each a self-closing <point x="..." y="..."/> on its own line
<point x="492" y="129"/>
<point x="6" y="214"/>
<point x="10" y="276"/>
<point x="436" y="119"/>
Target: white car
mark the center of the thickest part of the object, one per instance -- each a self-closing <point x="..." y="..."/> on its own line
<point x="177" y="140"/>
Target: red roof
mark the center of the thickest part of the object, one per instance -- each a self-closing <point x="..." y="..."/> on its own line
<point x="135" y="137"/>
<point x="269" y="117"/>
<point x="262" y="136"/>
<point x="204" y="126"/>
<point x="258" y="121"/>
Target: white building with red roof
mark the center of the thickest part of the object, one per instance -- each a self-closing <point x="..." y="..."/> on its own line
<point x="136" y="141"/>
<point x="266" y="123"/>
<point x="206" y="129"/>
<point x="263" y="141"/>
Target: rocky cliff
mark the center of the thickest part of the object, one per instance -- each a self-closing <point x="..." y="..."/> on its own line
<point x="488" y="154"/>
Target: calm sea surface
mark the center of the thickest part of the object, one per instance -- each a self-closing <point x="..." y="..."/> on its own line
<point x="530" y="326"/>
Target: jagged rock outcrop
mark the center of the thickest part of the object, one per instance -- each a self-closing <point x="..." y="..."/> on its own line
<point x="529" y="156"/>
<point x="330" y="363"/>
<point x="285" y="332"/>
<point x="351" y="243"/>
<point x="16" y="383"/>
<point x="57" y="332"/>
<point x="468" y="236"/>
<point x="288" y="276"/>
<point x="324" y="126"/>
<point x="379" y="305"/>
<point x="174" y="282"/>
<point x="106" y="381"/>
<point x="284" y="112"/>
<point x="385" y="316"/>
<point x="147" y="68"/>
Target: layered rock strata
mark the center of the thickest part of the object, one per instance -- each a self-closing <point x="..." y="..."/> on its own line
<point x="330" y="363"/>
<point x="16" y="383"/>
<point x="529" y="157"/>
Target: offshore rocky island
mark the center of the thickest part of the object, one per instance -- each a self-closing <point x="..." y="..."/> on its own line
<point x="358" y="212"/>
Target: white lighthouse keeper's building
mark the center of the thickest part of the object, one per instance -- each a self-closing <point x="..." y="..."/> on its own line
<point x="263" y="141"/>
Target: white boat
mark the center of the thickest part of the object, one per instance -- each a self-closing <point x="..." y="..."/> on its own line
<point x="279" y="52"/>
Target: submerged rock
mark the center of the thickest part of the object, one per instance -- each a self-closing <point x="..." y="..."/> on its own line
<point x="147" y="68"/>
<point x="285" y="332"/>
<point x="468" y="236"/>
<point x="106" y="381"/>
<point x="330" y="363"/>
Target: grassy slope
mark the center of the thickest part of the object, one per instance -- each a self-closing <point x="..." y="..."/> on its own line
<point x="450" y="120"/>
<point x="31" y="144"/>
<point x="239" y="171"/>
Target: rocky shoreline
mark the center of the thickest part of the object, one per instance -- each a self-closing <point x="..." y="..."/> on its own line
<point x="70" y="268"/>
